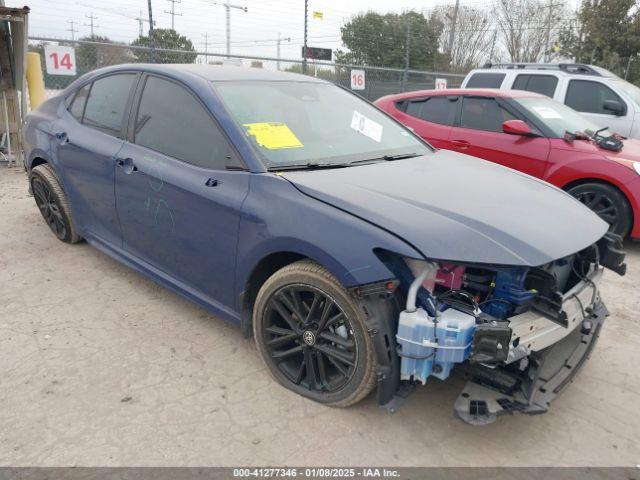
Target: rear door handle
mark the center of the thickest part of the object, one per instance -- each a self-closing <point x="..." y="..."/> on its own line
<point x="461" y="143"/>
<point x="127" y="165"/>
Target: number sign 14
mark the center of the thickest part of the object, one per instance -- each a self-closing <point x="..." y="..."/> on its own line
<point x="60" y="60"/>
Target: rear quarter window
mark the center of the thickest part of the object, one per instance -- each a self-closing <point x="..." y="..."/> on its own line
<point x="440" y="109"/>
<point x="485" y="80"/>
<point x="542" y="84"/>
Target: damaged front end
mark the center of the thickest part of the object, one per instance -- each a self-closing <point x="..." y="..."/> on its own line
<point x="521" y="333"/>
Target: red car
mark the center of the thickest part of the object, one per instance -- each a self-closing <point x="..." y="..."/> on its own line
<point x="536" y="135"/>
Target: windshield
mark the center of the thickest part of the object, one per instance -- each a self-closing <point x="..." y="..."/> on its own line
<point x="299" y="123"/>
<point x="558" y="117"/>
<point x="630" y="89"/>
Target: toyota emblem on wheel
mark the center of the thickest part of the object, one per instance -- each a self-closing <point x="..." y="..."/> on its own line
<point x="309" y="337"/>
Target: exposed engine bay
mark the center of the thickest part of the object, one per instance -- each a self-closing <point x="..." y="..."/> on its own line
<point x="520" y="332"/>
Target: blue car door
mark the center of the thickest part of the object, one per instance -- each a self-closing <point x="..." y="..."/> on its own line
<point x="88" y="136"/>
<point x="179" y="191"/>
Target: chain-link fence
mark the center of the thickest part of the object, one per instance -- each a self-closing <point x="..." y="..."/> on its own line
<point x="378" y="81"/>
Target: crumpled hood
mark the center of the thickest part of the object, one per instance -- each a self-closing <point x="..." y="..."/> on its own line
<point x="451" y="206"/>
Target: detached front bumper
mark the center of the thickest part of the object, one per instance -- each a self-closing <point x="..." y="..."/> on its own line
<point x="506" y="389"/>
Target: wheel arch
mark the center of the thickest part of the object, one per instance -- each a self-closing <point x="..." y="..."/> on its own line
<point x="261" y="271"/>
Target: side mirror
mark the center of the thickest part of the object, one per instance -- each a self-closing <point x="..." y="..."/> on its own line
<point x="517" y="127"/>
<point x="615" y="107"/>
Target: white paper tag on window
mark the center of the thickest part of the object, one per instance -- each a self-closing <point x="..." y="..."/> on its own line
<point x="366" y="126"/>
<point x="547" y="112"/>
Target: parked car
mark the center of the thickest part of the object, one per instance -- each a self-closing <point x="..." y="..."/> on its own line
<point x="305" y="215"/>
<point x="600" y="96"/>
<point x="536" y="135"/>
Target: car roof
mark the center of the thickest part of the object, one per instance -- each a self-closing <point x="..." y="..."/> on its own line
<point x="478" y="92"/>
<point x="215" y="73"/>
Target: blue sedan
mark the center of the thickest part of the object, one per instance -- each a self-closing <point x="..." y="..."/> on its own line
<point x="357" y="255"/>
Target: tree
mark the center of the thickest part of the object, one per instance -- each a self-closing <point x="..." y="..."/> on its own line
<point x="101" y="52"/>
<point x="167" y="39"/>
<point x="607" y="33"/>
<point x="473" y="36"/>
<point x="381" y="40"/>
<point x="525" y="28"/>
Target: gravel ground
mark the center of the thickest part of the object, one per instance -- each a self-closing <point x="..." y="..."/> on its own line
<point x="99" y="366"/>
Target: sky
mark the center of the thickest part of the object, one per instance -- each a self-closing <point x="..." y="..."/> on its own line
<point x="254" y="32"/>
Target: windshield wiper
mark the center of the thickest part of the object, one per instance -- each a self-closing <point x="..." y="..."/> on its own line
<point x="308" y="166"/>
<point x="388" y="158"/>
<point x="400" y="156"/>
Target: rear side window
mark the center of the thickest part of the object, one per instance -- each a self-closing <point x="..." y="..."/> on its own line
<point x="483" y="114"/>
<point x="107" y="102"/>
<point x="77" y="106"/>
<point x="170" y="120"/>
<point x="542" y="84"/>
<point x="486" y="80"/>
<point x="440" y="109"/>
<point x="588" y="96"/>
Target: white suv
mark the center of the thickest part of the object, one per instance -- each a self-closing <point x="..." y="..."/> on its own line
<point x="596" y="93"/>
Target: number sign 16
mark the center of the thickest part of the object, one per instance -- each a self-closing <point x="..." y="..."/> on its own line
<point x="357" y="79"/>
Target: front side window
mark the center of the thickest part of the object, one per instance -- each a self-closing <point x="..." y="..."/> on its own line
<point x="77" y="106"/>
<point x="486" y="80"/>
<point x="170" y="120"/>
<point x="589" y="97"/>
<point x="293" y="123"/>
<point x="440" y="109"/>
<point x="542" y="84"/>
<point x="107" y="103"/>
<point x="481" y="113"/>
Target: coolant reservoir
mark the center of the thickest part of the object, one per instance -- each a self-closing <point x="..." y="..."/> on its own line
<point x="430" y="348"/>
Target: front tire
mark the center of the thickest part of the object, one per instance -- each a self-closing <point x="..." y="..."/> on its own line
<point x="608" y="202"/>
<point x="312" y="336"/>
<point x="53" y="203"/>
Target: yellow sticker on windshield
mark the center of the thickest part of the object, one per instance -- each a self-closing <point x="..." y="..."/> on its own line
<point x="273" y="135"/>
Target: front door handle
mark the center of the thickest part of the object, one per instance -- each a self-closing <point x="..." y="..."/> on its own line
<point x="462" y="144"/>
<point x="127" y="165"/>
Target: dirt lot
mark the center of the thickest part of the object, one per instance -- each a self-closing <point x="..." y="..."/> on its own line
<point x="99" y="366"/>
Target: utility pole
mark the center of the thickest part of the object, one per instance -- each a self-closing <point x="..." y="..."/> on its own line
<point x="150" y="18"/>
<point x="206" y="47"/>
<point x="153" y="42"/>
<point x="550" y="6"/>
<point x="452" y="32"/>
<point x="91" y="24"/>
<point x="288" y="39"/>
<point x="72" y="29"/>
<point x="141" y="21"/>
<point x="306" y="29"/>
<point x="172" y="12"/>
<point x="227" y="6"/>
<point x="493" y="45"/>
<point x="405" y="77"/>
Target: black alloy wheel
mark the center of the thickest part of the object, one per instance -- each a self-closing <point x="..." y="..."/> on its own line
<point x="608" y="202"/>
<point x="311" y="334"/>
<point x="309" y="338"/>
<point x="52" y="203"/>
<point x="49" y="208"/>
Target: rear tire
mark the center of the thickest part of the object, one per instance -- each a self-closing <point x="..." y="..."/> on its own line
<point x="608" y="202"/>
<point x="312" y="336"/>
<point x="53" y="203"/>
